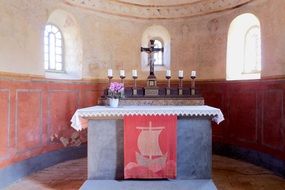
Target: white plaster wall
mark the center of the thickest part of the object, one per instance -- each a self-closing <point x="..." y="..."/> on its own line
<point x="197" y="43"/>
<point x="20" y="28"/>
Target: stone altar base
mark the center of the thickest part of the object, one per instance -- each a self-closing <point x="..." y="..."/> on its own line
<point x="106" y="149"/>
<point x="105" y="157"/>
<point x="205" y="184"/>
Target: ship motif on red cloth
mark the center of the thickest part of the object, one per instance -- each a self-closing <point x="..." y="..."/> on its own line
<point x="150" y="147"/>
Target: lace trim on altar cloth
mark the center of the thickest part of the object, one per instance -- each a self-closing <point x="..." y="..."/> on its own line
<point x="79" y="121"/>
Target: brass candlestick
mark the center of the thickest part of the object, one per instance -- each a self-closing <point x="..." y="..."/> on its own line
<point x="110" y="78"/>
<point x="168" y="85"/>
<point x="122" y="81"/>
<point x="135" y="91"/>
<point x="180" y="89"/>
<point x="122" y="78"/>
<point x="193" y="91"/>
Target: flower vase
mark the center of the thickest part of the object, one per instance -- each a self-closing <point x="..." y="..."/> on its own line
<point x="114" y="102"/>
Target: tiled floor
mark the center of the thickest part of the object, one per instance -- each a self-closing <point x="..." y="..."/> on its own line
<point x="228" y="174"/>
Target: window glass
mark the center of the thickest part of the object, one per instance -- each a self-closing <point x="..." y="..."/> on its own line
<point x="252" y="51"/>
<point x="53" y="49"/>
<point x="158" y="55"/>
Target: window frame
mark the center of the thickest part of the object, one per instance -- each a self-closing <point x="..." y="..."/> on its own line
<point x="253" y="27"/>
<point x="63" y="70"/>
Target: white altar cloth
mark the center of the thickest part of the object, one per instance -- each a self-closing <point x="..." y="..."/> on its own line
<point x="105" y="111"/>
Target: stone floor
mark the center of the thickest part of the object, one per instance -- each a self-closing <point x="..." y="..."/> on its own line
<point x="228" y="174"/>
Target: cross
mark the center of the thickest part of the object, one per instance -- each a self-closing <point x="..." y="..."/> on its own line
<point x="150" y="51"/>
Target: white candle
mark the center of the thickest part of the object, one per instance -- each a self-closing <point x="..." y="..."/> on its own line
<point x="110" y="72"/>
<point x="168" y="73"/>
<point x="135" y="73"/>
<point x="193" y="74"/>
<point x="180" y="73"/>
<point x="122" y="73"/>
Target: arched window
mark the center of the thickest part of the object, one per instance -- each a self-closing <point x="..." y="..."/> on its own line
<point x="62" y="46"/>
<point x="158" y="55"/>
<point x="244" y="48"/>
<point x="53" y="48"/>
<point x="161" y="38"/>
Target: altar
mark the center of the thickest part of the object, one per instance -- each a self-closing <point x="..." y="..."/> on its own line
<point x="106" y="146"/>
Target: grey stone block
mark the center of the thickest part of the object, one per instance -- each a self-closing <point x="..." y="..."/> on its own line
<point x="106" y="151"/>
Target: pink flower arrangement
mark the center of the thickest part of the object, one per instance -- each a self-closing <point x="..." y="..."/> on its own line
<point x="116" y="90"/>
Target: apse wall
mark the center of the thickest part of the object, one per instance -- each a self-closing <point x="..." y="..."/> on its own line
<point x="33" y="108"/>
<point x="111" y="41"/>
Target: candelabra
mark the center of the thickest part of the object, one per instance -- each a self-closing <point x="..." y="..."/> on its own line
<point x="193" y="85"/>
<point x="135" y="90"/>
<point x="168" y="85"/>
<point x="180" y="89"/>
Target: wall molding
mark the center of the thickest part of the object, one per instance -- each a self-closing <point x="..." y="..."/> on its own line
<point x="19" y="76"/>
<point x="280" y="92"/>
<point x="40" y="92"/>
<point x="158" y="11"/>
<point x="74" y="92"/>
<point x="8" y="127"/>
<point x="10" y="76"/>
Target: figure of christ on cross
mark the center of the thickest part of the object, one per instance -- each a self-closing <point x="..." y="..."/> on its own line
<point x="150" y="51"/>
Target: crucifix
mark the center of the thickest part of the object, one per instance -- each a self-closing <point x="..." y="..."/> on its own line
<point x="151" y="79"/>
<point x="151" y="50"/>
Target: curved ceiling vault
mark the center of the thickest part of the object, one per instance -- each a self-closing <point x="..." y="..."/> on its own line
<point x="157" y="9"/>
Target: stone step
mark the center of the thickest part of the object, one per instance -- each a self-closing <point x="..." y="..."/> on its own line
<point x="148" y="185"/>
